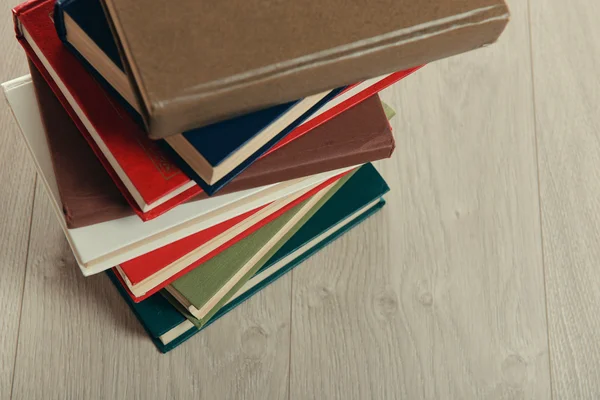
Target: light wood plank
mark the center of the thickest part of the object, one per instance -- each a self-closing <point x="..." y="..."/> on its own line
<point x="16" y="202"/>
<point x="441" y="295"/>
<point x="78" y="339"/>
<point x="17" y="179"/>
<point x="566" y="60"/>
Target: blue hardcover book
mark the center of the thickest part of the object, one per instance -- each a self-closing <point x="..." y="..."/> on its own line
<point x="211" y="155"/>
<point x="356" y="200"/>
<point x="232" y="142"/>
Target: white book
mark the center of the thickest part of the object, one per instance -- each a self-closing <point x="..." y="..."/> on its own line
<point x="102" y="246"/>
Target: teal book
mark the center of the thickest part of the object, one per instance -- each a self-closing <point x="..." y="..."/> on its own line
<point x="356" y="200"/>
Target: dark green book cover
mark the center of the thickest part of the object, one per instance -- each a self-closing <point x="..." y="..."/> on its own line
<point x="158" y="316"/>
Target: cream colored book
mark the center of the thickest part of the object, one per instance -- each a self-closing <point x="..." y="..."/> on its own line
<point x="102" y="246"/>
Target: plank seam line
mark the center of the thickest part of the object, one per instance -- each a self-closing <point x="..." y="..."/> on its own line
<point x="537" y="160"/>
<point x="12" y="382"/>
<point x="291" y="332"/>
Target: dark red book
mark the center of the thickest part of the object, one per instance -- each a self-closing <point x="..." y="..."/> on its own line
<point x="87" y="193"/>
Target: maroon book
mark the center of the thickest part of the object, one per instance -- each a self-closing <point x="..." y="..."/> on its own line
<point x="87" y="192"/>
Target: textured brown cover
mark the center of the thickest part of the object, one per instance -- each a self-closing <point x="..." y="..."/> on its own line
<point x="196" y="62"/>
<point x="87" y="192"/>
<point x="358" y="135"/>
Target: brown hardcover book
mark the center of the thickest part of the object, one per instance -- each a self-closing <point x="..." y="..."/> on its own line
<point x="191" y="63"/>
<point x="359" y="135"/>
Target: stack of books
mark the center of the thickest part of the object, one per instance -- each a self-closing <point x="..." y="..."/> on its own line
<point x="197" y="152"/>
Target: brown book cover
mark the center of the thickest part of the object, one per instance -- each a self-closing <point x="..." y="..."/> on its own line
<point x="359" y="135"/>
<point x="193" y="62"/>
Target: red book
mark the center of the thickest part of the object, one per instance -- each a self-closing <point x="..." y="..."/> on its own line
<point x="138" y="164"/>
<point x="145" y="275"/>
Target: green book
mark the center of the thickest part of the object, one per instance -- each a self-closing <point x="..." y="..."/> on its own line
<point x="359" y="198"/>
<point x="203" y="291"/>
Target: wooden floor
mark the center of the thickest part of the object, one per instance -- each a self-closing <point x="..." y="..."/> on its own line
<point x="479" y="280"/>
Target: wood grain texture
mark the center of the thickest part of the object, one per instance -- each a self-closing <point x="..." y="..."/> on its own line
<point x="79" y="340"/>
<point x="441" y="295"/>
<point x="566" y="61"/>
<point x="17" y="179"/>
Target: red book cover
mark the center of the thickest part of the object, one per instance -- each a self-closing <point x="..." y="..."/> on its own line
<point x="145" y="216"/>
<point x="136" y="161"/>
<point x="145" y="266"/>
